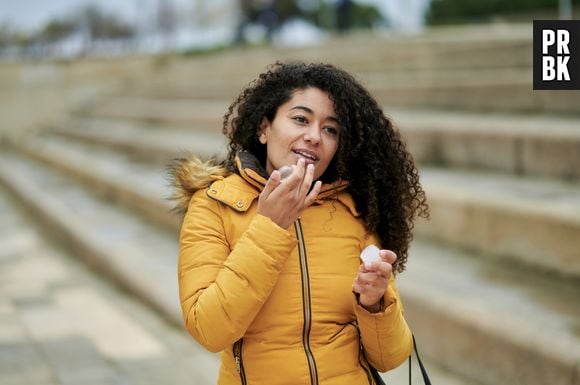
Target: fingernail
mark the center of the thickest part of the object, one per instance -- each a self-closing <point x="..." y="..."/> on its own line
<point x="368" y="266"/>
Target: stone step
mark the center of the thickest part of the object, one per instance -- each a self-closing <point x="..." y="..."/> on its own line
<point x="182" y="79"/>
<point x="175" y="85"/>
<point x="477" y="89"/>
<point x="491" y="321"/>
<point x="388" y="59"/>
<point x="521" y="145"/>
<point x="532" y="221"/>
<point x="156" y="144"/>
<point x="62" y="323"/>
<point x="152" y="111"/>
<point x="381" y="77"/>
<point x="173" y="82"/>
<point x="457" y="48"/>
<point x="516" y="96"/>
<point x="198" y="114"/>
<point x="390" y="55"/>
<point x="129" y="251"/>
<point x="110" y="174"/>
<point x="514" y="144"/>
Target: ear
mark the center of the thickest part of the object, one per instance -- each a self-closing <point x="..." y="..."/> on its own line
<point x="262" y="132"/>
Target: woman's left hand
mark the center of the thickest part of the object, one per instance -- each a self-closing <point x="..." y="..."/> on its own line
<point x="372" y="280"/>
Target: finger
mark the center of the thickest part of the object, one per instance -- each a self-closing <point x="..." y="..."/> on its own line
<point x="307" y="181"/>
<point x="378" y="267"/>
<point x="285" y="172"/>
<point x="388" y="256"/>
<point x="311" y="197"/>
<point x="366" y="267"/>
<point x="369" y="267"/>
<point x="383" y="269"/>
<point x="295" y="178"/>
<point x="271" y="184"/>
<point x="368" y="294"/>
<point x="370" y="279"/>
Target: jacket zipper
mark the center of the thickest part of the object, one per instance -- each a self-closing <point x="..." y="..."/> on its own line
<point x="239" y="361"/>
<point x="307" y="309"/>
<point x="361" y="356"/>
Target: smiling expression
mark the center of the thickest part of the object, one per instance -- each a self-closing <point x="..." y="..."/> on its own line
<point x="304" y="127"/>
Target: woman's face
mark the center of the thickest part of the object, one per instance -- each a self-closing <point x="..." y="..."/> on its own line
<point x="304" y="127"/>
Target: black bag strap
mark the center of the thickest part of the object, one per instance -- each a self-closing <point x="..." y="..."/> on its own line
<point x="426" y="380"/>
<point x="424" y="374"/>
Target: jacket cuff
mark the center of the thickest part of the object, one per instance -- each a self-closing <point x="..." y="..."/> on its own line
<point x="389" y="306"/>
<point x="267" y="235"/>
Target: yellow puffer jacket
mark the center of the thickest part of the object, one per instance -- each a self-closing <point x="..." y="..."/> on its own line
<point x="278" y="303"/>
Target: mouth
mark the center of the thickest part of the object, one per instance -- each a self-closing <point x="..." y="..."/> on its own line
<point x="308" y="156"/>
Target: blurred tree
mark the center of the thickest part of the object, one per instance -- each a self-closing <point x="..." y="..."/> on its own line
<point x="461" y="11"/>
<point x="335" y="15"/>
<point x="101" y="25"/>
<point x="327" y="15"/>
<point x="287" y="9"/>
<point x="10" y="37"/>
<point x="56" y="30"/>
<point x="5" y="35"/>
<point x="268" y="13"/>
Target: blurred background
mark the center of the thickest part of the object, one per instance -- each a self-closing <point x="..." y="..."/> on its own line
<point x="96" y="97"/>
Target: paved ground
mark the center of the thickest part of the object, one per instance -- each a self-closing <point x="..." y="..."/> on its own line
<point x="60" y="323"/>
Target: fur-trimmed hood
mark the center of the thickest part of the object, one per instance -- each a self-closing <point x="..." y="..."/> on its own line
<point x="188" y="175"/>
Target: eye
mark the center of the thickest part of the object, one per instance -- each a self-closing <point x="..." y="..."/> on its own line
<point x="331" y="130"/>
<point x="300" y="119"/>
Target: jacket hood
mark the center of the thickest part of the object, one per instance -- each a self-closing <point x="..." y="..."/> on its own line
<point x="188" y="175"/>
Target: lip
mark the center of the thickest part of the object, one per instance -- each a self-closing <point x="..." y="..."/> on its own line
<point x="297" y="151"/>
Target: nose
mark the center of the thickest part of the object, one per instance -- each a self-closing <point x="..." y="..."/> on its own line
<point x="312" y="134"/>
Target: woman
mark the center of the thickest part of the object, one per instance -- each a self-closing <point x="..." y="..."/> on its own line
<point x="269" y="267"/>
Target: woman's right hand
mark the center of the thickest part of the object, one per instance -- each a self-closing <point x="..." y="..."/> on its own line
<point x="284" y="200"/>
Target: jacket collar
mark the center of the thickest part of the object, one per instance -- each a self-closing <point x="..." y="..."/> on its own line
<point x="250" y="169"/>
<point x="252" y="172"/>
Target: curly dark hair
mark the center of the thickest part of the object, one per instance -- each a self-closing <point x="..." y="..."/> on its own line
<point x="371" y="154"/>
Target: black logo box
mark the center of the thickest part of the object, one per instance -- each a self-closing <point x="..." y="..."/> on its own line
<point x="573" y="28"/>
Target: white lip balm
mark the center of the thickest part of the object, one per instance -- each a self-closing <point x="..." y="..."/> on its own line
<point x="370" y="254"/>
<point x="285" y="172"/>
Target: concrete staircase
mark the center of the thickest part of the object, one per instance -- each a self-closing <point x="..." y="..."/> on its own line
<point x="493" y="278"/>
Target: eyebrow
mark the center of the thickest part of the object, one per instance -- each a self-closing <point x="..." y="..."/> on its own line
<point x="309" y="110"/>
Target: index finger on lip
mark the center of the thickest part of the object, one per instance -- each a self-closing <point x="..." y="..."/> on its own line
<point x="308" y="178"/>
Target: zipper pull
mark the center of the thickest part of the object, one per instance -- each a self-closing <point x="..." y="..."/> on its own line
<point x="238" y="364"/>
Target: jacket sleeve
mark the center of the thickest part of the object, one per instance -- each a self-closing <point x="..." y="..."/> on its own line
<point x="222" y="289"/>
<point x="386" y="337"/>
